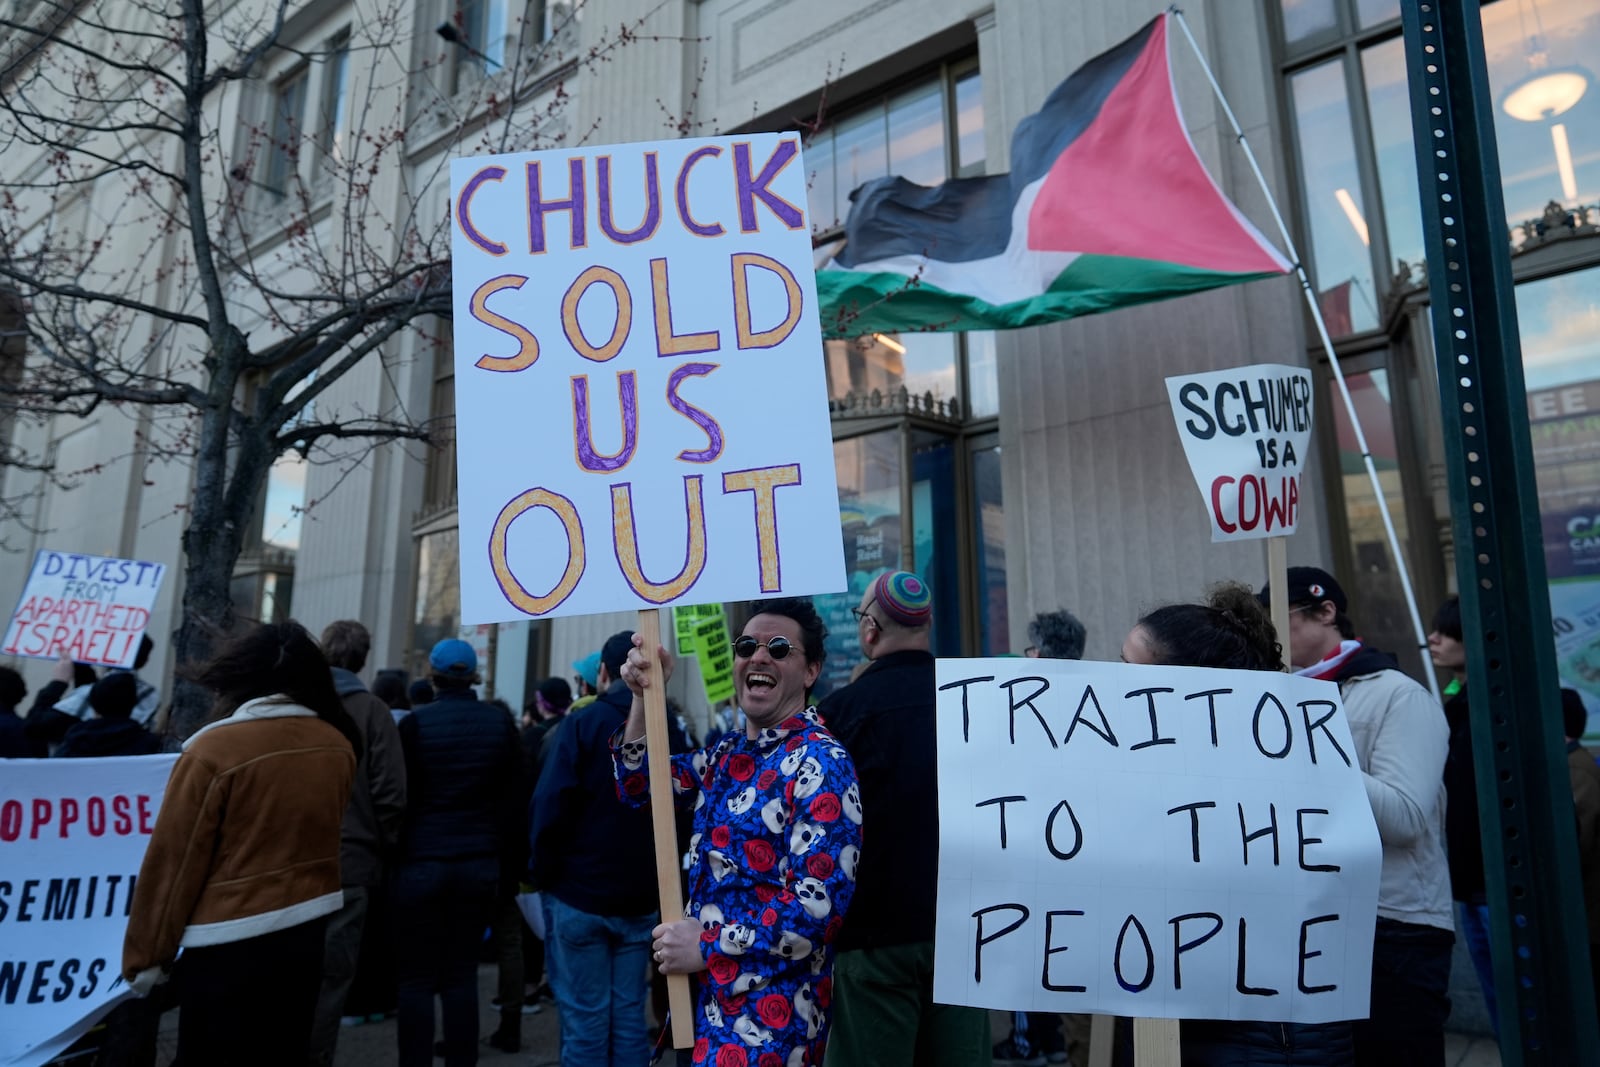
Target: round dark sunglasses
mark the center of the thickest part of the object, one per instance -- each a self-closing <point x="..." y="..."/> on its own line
<point x="777" y="647"/>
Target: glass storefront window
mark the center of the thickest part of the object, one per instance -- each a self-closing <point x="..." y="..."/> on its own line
<point x="1376" y="12"/>
<point x="989" y="536"/>
<point x="1340" y="240"/>
<point x="860" y="154"/>
<point x="1543" y="73"/>
<point x="916" y="135"/>
<point x="1559" y="319"/>
<point x="921" y="362"/>
<point x="1379" y="605"/>
<point x="1383" y="69"/>
<point x="1307" y="18"/>
<point x="970" y="149"/>
<point x="983" y="375"/>
<point x="822" y="205"/>
<point x="909" y="134"/>
<point x="869" y="513"/>
<point x="933" y="542"/>
<point x="438" y="612"/>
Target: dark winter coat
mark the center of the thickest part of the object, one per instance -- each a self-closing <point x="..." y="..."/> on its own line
<point x="1219" y="1043"/>
<point x="1463" y="838"/>
<point x="885" y="720"/>
<point x="589" y="849"/>
<point x="14" y="743"/>
<point x="108" y="737"/>
<point x="463" y="773"/>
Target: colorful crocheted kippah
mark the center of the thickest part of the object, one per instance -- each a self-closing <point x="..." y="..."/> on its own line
<point x="904" y="597"/>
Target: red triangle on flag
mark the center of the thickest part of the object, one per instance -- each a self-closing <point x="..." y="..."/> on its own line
<point x="1131" y="185"/>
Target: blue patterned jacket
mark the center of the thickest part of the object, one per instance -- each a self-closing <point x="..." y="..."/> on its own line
<point x="773" y="859"/>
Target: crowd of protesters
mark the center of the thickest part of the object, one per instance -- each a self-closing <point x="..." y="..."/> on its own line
<point x="328" y="854"/>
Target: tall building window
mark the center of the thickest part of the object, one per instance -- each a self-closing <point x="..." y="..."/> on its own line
<point x="334" y="103"/>
<point x="483" y="26"/>
<point x="1361" y="223"/>
<point x="914" y="413"/>
<point x="283" y="144"/>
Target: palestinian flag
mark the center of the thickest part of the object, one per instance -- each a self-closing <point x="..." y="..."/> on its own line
<point x="1107" y="205"/>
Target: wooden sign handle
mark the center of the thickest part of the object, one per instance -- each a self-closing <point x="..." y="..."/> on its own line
<point x="659" y="754"/>
<point x="1155" y="1041"/>
<point x="1278" y="579"/>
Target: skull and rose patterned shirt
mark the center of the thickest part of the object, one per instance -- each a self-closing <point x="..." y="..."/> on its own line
<point x="777" y="824"/>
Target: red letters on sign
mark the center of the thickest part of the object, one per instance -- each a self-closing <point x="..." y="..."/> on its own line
<point x="1258" y="504"/>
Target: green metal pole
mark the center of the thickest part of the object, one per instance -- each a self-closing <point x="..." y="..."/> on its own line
<point x="1539" y="933"/>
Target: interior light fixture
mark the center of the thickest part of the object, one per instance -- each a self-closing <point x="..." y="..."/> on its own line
<point x="889" y="342"/>
<point x="1353" y="213"/>
<point x="1569" y="177"/>
<point x="1544" y="94"/>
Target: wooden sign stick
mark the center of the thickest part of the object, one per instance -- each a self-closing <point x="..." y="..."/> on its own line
<point x="1155" y="1043"/>
<point x="668" y="860"/>
<point x="1278" y="579"/>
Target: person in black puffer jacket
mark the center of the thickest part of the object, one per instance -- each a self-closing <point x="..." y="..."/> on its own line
<point x="1232" y="630"/>
<point x="110" y="730"/>
<point x="461" y="836"/>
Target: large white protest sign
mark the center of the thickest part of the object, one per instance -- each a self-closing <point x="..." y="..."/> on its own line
<point x="641" y="411"/>
<point x="1159" y="842"/>
<point x="1246" y="432"/>
<point x="72" y="835"/>
<point x="95" y="608"/>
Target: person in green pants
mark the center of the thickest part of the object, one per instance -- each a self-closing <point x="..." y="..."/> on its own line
<point x="884" y="1014"/>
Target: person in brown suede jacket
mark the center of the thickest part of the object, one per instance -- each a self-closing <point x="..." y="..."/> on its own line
<point x="242" y="869"/>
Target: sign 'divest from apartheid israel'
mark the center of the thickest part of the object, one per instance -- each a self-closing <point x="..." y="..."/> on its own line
<point x="1163" y="842"/>
<point x="73" y="834"/>
<point x="641" y="411"/>
<point x="1246" y="431"/>
<point x="94" y="608"/>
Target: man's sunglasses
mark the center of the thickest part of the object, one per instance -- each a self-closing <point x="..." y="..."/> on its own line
<point x="777" y="647"/>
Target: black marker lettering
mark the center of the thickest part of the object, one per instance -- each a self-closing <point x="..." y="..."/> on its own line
<point x="1051" y="950"/>
<point x="966" y="714"/>
<point x="1002" y="801"/>
<point x="1194" y="822"/>
<point x="1150" y="707"/>
<point x="977" y="949"/>
<point x="1180" y="946"/>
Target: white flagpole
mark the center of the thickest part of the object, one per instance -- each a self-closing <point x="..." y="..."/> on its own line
<point x="1333" y="361"/>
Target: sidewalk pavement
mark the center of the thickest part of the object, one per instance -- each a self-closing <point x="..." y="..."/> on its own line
<point x="373" y="1044"/>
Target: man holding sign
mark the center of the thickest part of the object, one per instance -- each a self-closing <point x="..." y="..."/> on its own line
<point x="777" y="838"/>
<point x="1402" y="738"/>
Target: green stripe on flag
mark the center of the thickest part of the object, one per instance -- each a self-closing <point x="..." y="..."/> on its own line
<point x="854" y="303"/>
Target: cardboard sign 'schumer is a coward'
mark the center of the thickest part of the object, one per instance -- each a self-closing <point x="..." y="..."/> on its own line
<point x="1245" y="432"/>
<point x="642" y="414"/>
<point x="1164" y="842"/>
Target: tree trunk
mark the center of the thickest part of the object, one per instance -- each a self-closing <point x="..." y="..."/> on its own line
<point x="223" y="504"/>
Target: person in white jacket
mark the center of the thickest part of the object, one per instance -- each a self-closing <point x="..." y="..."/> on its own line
<point x="1401" y="741"/>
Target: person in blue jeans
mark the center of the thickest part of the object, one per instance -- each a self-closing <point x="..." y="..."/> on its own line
<point x="593" y="858"/>
<point x="462" y="829"/>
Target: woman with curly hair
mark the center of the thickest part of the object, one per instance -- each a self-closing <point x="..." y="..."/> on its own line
<point x="1231" y="629"/>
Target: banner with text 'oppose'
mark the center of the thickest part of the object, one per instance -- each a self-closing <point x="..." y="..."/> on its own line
<point x="73" y="833"/>
<point x="1246" y="431"/>
<point x="641" y="411"/>
<point x="95" y="608"/>
<point x="1157" y="842"/>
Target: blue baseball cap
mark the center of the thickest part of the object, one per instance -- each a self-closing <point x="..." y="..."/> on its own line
<point x="588" y="668"/>
<point x="453" y="658"/>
